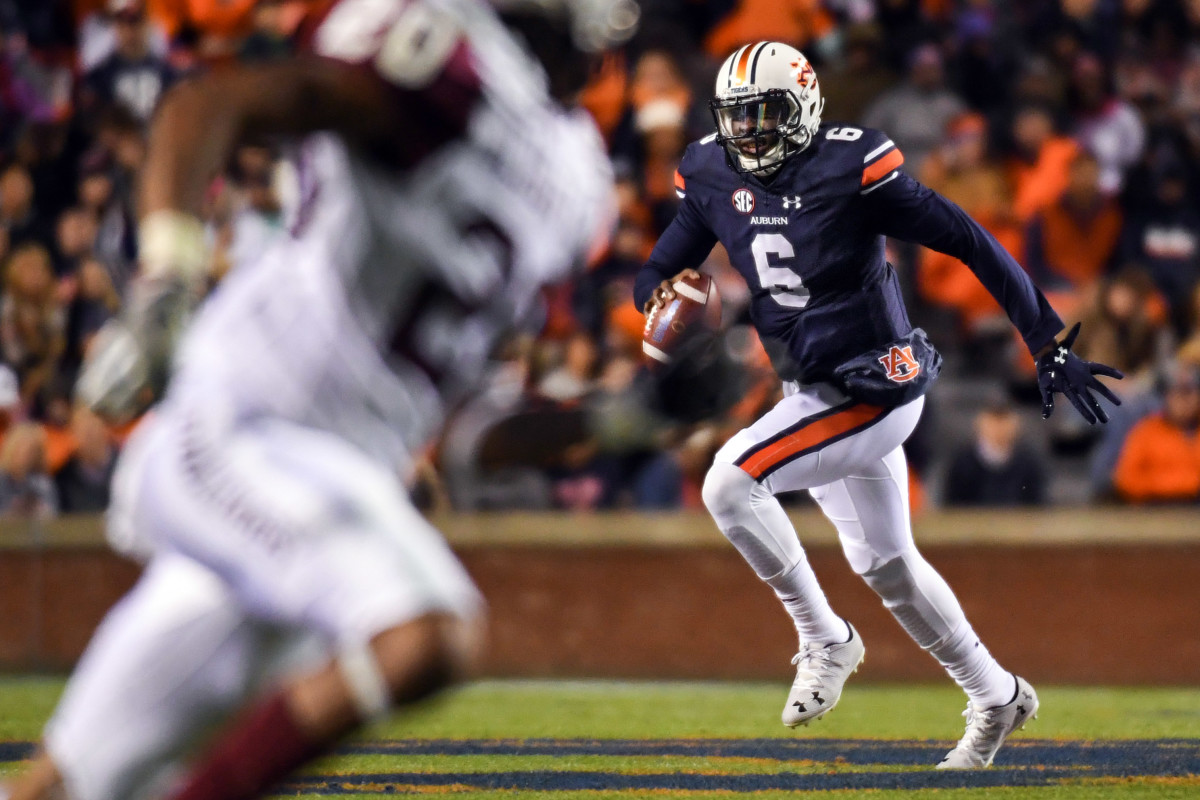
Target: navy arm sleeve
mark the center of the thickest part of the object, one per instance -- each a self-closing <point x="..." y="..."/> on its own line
<point x="906" y="210"/>
<point x="685" y="243"/>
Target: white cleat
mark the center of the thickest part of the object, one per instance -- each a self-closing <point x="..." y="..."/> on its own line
<point x="821" y="671"/>
<point x="988" y="728"/>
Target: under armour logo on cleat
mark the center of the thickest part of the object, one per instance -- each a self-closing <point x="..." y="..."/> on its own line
<point x="1021" y="710"/>
<point x="800" y="706"/>
<point x="817" y="697"/>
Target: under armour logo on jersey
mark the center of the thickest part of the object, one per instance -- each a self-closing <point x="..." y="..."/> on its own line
<point x="743" y="200"/>
<point x="791" y="202"/>
<point x="1061" y="358"/>
<point x="899" y="364"/>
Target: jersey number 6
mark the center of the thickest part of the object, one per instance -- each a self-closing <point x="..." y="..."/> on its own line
<point x="786" y="287"/>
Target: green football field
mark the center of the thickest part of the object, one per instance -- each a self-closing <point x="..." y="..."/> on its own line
<point x="595" y="740"/>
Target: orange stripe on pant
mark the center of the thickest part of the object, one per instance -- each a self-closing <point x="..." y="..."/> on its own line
<point x="812" y="435"/>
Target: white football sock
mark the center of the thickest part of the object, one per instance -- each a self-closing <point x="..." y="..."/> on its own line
<point x="805" y="602"/>
<point x="754" y="522"/>
<point x="974" y="669"/>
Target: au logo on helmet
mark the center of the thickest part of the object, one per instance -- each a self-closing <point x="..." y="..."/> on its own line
<point x="899" y="364"/>
<point x="743" y="200"/>
<point x="803" y="73"/>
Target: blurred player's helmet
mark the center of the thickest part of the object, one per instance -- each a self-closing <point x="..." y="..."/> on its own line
<point x="598" y="25"/>
<point x="767" y="106"/>
<point x="595" y="25"/>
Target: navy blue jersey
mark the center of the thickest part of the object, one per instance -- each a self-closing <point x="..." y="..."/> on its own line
<point x="809" y="242"/>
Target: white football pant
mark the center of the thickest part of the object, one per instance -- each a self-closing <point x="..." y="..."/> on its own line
<point x="270" y="546"/>
<point x="848" y="456"/>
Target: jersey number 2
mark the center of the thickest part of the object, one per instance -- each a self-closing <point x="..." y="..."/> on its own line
<point x="786" y="287"/>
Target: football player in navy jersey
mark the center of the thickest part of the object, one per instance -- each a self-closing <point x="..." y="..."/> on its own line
<point x="803" y="210"/>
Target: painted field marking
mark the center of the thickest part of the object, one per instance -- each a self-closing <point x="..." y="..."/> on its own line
<point x="1025" y="762"/>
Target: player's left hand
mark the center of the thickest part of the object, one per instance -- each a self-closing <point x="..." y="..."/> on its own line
<point x="1060" y="370"/>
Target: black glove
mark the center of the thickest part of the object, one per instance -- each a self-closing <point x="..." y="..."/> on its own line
<point x="1060" y="370"/>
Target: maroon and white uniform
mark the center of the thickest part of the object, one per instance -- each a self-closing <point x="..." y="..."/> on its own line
<point x="264" y="491"/>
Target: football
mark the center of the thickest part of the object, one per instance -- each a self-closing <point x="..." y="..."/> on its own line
<point x="695" y="311"/>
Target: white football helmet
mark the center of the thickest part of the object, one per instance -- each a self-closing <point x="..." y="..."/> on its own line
<point x="767" y="106"/>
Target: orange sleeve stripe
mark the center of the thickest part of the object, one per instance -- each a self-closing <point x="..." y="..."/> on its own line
<point x="758" y="463"/>
<point x="680" y="183"/>
<point x="883" y="166"/>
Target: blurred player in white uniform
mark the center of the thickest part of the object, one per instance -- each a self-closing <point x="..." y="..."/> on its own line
<point x="442" y="186"/>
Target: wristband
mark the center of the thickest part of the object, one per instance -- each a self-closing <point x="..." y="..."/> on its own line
<point x="173" y="244"/>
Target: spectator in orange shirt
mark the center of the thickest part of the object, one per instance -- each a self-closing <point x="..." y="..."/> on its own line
<point x="961" y="171"/>
<point x="1041" y="168"/>
<point x="1160" y="461"/>
<point x="797" y="22"/>
<point x="1073" y="239"/>
<point x="606" y="92"/>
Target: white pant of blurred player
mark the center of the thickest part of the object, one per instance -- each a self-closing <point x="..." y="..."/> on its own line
<point x="274" y="548"/>
<point x="848" y="456"/>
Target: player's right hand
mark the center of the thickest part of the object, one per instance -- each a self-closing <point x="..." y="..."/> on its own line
<point x="128" y="361"/>
<point x="114" y="376"/>
<point x="665" y="292"/>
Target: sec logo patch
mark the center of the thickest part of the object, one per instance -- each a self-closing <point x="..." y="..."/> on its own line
<point x="743" y="200"/>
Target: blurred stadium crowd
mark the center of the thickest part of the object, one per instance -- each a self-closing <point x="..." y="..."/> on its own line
<point x="1069" y="128"/>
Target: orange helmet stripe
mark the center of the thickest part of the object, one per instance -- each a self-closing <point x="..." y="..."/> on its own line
<point x="742" y="64"/>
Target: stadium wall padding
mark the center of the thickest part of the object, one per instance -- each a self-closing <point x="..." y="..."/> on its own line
<point x="663" y="596"/>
